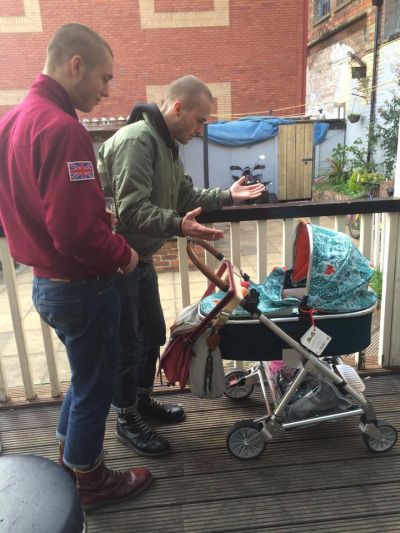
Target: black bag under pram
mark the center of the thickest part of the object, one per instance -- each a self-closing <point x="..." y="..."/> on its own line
<point x="291" y="317"/>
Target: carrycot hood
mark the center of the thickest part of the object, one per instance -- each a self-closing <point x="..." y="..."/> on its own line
<point x="337" y="273"/>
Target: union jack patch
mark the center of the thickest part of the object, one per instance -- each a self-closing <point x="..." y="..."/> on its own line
<point x="80" y="170"/>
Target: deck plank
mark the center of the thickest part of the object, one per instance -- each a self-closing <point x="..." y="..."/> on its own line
<point x="318" y="479"/>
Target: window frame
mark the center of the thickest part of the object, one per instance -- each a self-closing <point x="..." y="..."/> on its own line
<point x="340" y="4"/>
<point x="389" y="32"/>
<point x="322" y="10"/>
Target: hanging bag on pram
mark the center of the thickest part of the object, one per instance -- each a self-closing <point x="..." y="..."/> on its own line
<point x="206" y="371"/>
<point x="176" y="357"/>
<point x="193" y="351"/>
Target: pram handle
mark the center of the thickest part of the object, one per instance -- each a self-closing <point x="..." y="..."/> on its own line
<point x="190" y="242"/>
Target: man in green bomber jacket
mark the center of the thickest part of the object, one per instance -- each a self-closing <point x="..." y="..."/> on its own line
<point x="155" y="200"/>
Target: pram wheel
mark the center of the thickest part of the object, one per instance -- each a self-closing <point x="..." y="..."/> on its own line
<point x="244" y="440"/>
<point x="389" y="438"/>
<point x="236" y="387"/>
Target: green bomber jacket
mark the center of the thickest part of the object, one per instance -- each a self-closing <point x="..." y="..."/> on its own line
<point x="152" y="193"/>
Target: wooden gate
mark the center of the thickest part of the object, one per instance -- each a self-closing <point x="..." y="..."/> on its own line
<point x="295" y="161"/>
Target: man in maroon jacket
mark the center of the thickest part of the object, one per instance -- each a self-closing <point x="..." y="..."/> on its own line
<point x="53" y="215"/>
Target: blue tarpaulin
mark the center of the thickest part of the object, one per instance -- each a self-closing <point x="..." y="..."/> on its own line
<point x="250" y="130"/>
<point x="320" y="131"/>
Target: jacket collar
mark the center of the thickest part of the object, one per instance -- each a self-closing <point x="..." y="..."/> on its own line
<point x="51" y="89"/>
<point x="157" y="120"/>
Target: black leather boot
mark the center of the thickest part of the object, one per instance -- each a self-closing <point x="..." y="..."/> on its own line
<point x="132" y="431"/>
<point x="149" y="408"/>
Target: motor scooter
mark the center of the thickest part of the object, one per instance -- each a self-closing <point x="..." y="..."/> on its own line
<point x="252" y="178"/>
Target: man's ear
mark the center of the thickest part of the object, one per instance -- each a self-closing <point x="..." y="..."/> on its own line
<point x="178" y="108"/>
<point x="77" y="66"/>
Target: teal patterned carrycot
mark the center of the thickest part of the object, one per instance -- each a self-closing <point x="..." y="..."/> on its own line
<point x="329" y="275"/>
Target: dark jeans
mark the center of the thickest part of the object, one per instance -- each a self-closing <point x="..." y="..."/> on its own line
<point x="85" y="316"/>
<point x="142" y="332"/>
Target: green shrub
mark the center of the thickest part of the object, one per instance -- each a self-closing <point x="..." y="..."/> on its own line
<point x="376" y="283"/>
<point x="363" y="182"/>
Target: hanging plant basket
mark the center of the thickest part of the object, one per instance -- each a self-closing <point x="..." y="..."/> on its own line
<point x="354" y="117"/>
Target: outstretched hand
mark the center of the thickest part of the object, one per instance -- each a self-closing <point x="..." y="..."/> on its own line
<point x="240" y="191"/>
<point x="192" y="228"/>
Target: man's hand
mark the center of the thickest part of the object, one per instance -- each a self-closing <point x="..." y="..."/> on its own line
<point x="130" y="267"/>
<point x="191" y="228"/>
<point x="241" y="192"/>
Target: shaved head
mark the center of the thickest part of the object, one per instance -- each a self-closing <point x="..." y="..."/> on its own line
<point x="188" y="89"/>
<point x="75" y="39"/>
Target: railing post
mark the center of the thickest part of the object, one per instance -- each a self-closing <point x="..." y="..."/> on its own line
<point x="11" y="284"/>
<point x="261" y="250"/>
<point x="235" y="258"/>
<point x="366" y="235"/>
<point x="378" y="241"/>
<point x="287" y="241"/>
<point x="209" y="259"/>
<point x="389" y="339"/>
<point x="340" y="223"/>
<point x="184" y="271"/>
<point x="235" y="243"/>
<point x="51" y="363"/>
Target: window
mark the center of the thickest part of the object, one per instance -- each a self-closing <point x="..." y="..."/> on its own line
<point x="321" y="8"/>
<point x="391" y="18"/>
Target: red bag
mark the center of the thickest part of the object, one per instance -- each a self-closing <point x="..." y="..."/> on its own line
<point x="175" y="360"/>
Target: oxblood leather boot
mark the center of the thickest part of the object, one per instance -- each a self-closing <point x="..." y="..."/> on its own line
<point x="101" y="486"/>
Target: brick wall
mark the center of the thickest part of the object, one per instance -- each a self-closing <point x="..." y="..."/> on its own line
<point x="251" y="49"/>
<point x="349" y="27"/>
<point x="341" y="14"/>
<point x="166" y="259"/>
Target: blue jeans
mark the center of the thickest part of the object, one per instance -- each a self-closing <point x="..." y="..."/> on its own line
<point x="85" y="316"/>
<point x="142" y="332"/>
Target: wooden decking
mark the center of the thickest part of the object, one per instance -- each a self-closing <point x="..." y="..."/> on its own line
<point x="315" y="479"/>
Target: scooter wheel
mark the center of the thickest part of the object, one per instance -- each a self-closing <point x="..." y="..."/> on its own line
<point x="389" y="438"/>
<point x="354" y="226"/>
<point x="244" y="441"/>
<point x="272" y="198"/>
<point x="236" y="387"/>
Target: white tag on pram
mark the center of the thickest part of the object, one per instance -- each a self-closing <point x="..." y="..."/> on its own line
<point x="315" y="340"/>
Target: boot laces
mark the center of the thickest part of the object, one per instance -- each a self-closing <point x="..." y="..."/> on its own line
<point x="135" y="417"/>
<point x="155" y="403"/>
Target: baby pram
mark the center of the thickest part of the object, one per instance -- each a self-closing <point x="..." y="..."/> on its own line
<point x="325" y="291"/>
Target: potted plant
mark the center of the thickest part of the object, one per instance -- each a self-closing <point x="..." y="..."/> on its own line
<point x="354" y="117"/>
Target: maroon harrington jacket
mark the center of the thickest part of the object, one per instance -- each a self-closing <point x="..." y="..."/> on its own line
<point x="51" y="203"/>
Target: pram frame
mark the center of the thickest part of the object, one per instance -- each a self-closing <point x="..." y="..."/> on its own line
<point x="260" y="430"/>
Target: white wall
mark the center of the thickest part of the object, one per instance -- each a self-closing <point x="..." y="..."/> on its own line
<point x="220" y="158"/>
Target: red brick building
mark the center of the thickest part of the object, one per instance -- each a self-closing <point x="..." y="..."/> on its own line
<point x="251" y="52"/>
<point x="340" y="30"/>
<point x="353" y="61"/>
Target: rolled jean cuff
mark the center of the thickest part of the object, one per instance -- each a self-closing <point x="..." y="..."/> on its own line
<point x="82" y="467"/>
<point x="124" y="410"/>
<point x="71" y="465"/>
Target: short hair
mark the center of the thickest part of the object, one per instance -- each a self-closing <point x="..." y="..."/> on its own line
<point x="188" y="89"/>
<point x="76" y="39"/>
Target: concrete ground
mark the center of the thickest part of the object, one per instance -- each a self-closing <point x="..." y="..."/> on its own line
<point x="170" y="296"/>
